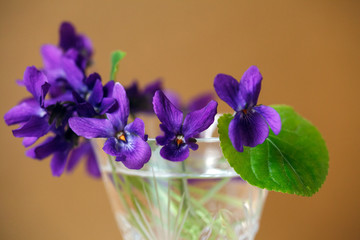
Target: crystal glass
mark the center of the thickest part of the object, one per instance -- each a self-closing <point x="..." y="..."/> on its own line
<point x="199" y="198"/>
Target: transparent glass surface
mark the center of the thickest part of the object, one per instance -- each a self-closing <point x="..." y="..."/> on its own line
<point x="199" y="198"/>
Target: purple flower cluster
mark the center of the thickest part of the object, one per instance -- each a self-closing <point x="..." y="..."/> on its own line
<point x="58" y="91"/>
<point x="68" y="107"/>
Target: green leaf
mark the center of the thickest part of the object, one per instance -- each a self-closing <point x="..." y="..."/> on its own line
<point x="296" y="161"/>
<point x="115" y="59"/>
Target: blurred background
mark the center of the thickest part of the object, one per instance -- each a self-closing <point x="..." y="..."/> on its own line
<point x="307" y="51"/>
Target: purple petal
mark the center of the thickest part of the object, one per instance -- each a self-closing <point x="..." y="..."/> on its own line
<point x="74" y="76"/>
<point x="44" y="90"/>
<point x="193" y="146"/>
<point x="235" y="134"/>
<point x="119" y="117"/>
<point x="67" y="36"/>
<point x="28" y="141"/>
<point x="137" y="127"/>
<point x="85" y="44"/>
<point x="227" y="88"/>
<point x="44" y="150"/>
<point x="174" y="98"/>
<point x="31" y="153"/>
<point x="167" y="113"/>
<point x="248" y="130"/>
<point x="271" y="116"/>
<point x="58" y="163"/>
<point x="72" y="54"/>
<point x="58" y="88"/>
<point x="69" y="39"/>
<point x="96" y="94"/>
<point x="200" y="102"/>
<point x="51" y="56"/>
<point x="76" y="155"/>
<point x="35" y="127"/>
<point x="48" y="147"/>
<point x="250" y="86"/>
<point x="84" y="150"/>
<point x="91" y="127"/>
<point x="77" y="97"/>
<point x="107" y="105"/>
<point x="92" y="166"/>
<point x="20" y="82"/>
<point x="34" y="80"/>
<point x="91" y="80"/>
<point x="85" y="109"/>
<point x="132" y="90"/>
<point x="153" y="87"/>
<point x="168" y="136"/>
<point x="23" y="112"/>
<point x="66" y="97"/>
<point x="112" y="147"/>
<point x="198" y="121"/>
<point x="142" y="101"/>
<point x="135" y="153"/>
<point x="108" y="89"/>
<point x="173" y="152"/>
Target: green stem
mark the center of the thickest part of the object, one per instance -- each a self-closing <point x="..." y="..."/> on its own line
<point x="184" y="188"/>
<point x="119" y="183"/>
<point x="210" y="194"/>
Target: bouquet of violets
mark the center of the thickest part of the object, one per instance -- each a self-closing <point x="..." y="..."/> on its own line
<point x="257" y="146"/>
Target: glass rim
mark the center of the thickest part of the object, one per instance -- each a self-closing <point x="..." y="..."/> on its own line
<point x="199" y="140"/>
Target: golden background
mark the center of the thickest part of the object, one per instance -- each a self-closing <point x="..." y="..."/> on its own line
<point x="307" y="51"/>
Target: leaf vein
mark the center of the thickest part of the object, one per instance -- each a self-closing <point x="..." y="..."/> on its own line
<point x="291" y="167"/>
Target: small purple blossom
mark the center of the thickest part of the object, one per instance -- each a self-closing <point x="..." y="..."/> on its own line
<point x="59" y="147"/>
<point x="127" y="142"/>
<point x="86" y="150"/>
<point x="250" y="126"/>
<point x="179" y="133"/>
<point x="65" y="65"/>
<point x="141" y="101"/>
<point x="95" y="99"/>
<point x="61" y="70"/>
<point x="195" y="103"/>
<point x="70" y="39"/>
<point x="30" y="114"/>
<point x="199" y="101"/>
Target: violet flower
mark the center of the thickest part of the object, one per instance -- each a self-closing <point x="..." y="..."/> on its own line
<point x="59" y="147"/>
<point x="199" y="101"/>
<point x="250" y="126"/>
<point x="195" y="103"/>
<point x="95" y="99"/>
<point x="63" y="77"/>
<point x="179" y="134"/>
<point x="30" y="113"/>
<point x="61" y="70"/>
<point x="65" y="65"/>
<point x="69" y="39"/>
<point x="127" y="142"/>
<point x="86" y="150"/>
<point x="141" y="101"/>
<point x="65" y="151"/>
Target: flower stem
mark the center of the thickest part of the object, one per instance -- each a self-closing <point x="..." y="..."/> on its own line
<point x="185" y="189"/>
<point x="214" y="190"/>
